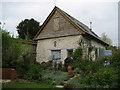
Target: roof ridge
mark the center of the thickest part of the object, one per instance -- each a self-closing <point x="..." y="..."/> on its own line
<point x="84" y="28"/>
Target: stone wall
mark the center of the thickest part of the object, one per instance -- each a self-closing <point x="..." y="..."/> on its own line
<point x="96" y="44"/>
<point x="65" y="28"/>
<point x="44" y="47"/>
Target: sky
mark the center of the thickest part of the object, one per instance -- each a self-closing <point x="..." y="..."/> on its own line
<point x="102" y="13"/>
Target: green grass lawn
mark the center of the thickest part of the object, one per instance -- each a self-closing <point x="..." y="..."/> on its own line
<point x="26" y="85"/>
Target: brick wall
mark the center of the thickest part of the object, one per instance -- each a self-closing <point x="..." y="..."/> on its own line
<point x="8" y="73"/>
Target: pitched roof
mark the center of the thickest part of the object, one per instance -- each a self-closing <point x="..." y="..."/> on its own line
<point x="80" y="24"/>
<point x="77" y="23"/>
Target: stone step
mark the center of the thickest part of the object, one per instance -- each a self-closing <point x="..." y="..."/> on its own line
<point x="59" y="86"/>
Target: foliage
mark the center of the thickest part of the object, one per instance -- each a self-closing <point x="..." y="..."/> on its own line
<point x="34" y="72"/>
<point x="114" y="62"/>
<point x="97" y="74"/>
<point x="105" y="78"/>
<point x="15" y="54"/>
<point x="74" y="82"/>
<point x="115" y="59"/>
<point x="101" y="61"/>
<point x="77" y="58"/>
<point x="28" y="27"/>
<point x="105" y="38"/>
<point x="49" y="65"/>
<point x="113" y="48"/>
<point x="77" y="54"/>
<point x="54" y="77"/>
<point x="83" y="64"/>
<point x="46" y="65"/>
<point x="10" y="50"/>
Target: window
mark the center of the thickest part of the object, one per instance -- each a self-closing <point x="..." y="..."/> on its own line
<point x="56" y="24"/>
<point x="56" y="54"/>
<point x="88" y="43"/>
<point x="70" y="52"/>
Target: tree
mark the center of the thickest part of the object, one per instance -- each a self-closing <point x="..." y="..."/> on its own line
<point x="10" y="50"/>
<point x="28" y="27"/>
<point x="14" y="53"/>
<point x="105" y="38"/>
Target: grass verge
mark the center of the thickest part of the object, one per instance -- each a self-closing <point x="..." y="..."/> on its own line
<point x="26" y="85"/>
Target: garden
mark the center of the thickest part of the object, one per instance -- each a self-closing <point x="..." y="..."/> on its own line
<point x="85" y="73"/>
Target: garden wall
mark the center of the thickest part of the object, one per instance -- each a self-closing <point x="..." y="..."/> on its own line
<point x="8" y="73"/>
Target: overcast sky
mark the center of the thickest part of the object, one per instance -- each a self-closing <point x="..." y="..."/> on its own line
<point x="102" y="13"/>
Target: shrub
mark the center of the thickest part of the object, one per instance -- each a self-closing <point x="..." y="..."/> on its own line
<point x="44" y="65"/>
<point x="54" y="77"/>
<point x="96" y="74"/>
<point x="114" y="63"/>
<point x="77" y="54"/>
<point x="10" y="51"/>
<point x="34" y="72"/>
<point x="74" y="82"/>
<point x="105" y="78"/>
<point x="15" y="54"/>
<point x="115" y="59"/>
<point x="77" y="58"/>
<point x="83" y="64"/>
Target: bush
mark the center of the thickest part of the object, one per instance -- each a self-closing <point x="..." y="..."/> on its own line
<point x="34" y="73"/>
<point x="74" y="82"/>
<point x="54" y="77"/>
<point x="77" y="54"/>
<point x="10" y="51"/>
<point x="15" y="54"/>
<point x="77" y="58"/>
<point x="83" y="81"/>
<point x="115" y="59"/>
<point x="97" y="74"/>
<point x="83" y="64"/>
<point x="44" y="65"/>
<point x="114" y="63"/>
<point x="105" y="78"/>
